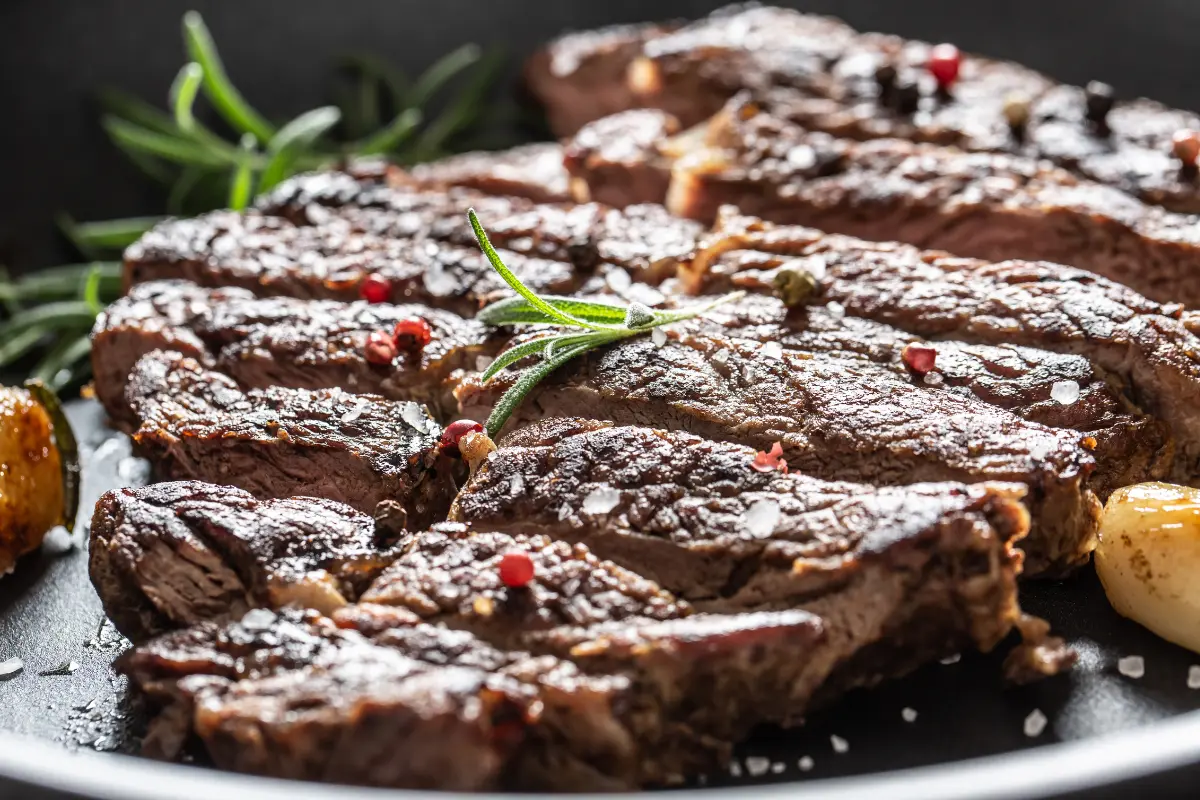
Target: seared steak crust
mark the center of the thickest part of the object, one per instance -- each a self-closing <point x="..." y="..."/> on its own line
<point x="534" y="171"/>
<point x="831" y="69"/>
<point x="282" y="341"/>
<point x="275" y="443"/>
<point x="172" y="554"/>
<point x="755" y="155"/>
<point x="837" y="418"/>
<point x="1142" y="347"/>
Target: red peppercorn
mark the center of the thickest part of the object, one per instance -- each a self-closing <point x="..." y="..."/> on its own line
<point x="412" y="333"/>
<point x="516" y="569"/>
<point x="919" y="358"/>
<point x="944" y="63"/>
<point x="1185" y="144"/>
<point x="455" y="431"/>
<point x="380" y="349"/>
<point x="375" y="289"/>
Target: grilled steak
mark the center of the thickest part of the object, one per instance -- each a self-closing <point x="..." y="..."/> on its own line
<point x="534" y="171"/>
<point x="1140" y="346"/>
<point x="870" y="86"/>
<point x="172" y="554"/>
<point x="279" y="341"/>
<point x="1130" y="447"/>
<point x="837" y="418"/>
<point x="754" y="155"/>
<point x="274" y="443"/>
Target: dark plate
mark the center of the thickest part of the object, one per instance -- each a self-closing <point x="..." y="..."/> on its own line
<point x="968" y="737"/>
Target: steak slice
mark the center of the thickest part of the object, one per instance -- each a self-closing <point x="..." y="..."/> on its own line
<point x="755" y="155"/>
<point x="360" y="450"/>
<point x="534" y="171"/>
<point x="1130" y="447"/>
<point x="329" y="260"/>
<point x="172" y="554"/>
<point x="292" y="696"/>
<point x="281" y="341"/>
<point x="837" y="418"/>
<point x="833" y="72"/>
<point x="1143" y="348"/>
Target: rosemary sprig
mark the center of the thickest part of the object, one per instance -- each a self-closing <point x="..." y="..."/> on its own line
<point x="384" y="114"/>
<point x="585" y="325"/>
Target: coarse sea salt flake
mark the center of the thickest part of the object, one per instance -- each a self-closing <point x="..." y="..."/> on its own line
<point x="1132" y="666"/>
<point x="516" y="485"/>
<point x="618" y="280"/>
<point x="735" y="769"/>
<point x="642" y="293"/>
<point x="601" y="500"/>
<point x="757" y="765"/>
<point x="352" y="414"/>
<point x="805" y="763"/>
<point x="836" y="309"/>
<point x="908" y="714"/>
<point x="1064" y="392"/>
<point x="659" y="337"/>
<point x="721" y="356"/>
<point x="482" y="363"/>
<point x="954" y="659"/>
<point x="778" y="767"/>
<point x="1193" y="680"/>
<point x="761" y="518"/>
<point x="1035" y="723"/>
<point x="413" y="415"/>
<point x="840" y="745"/>
<point x="772" y="350"/>
<point x="11" y="668"/>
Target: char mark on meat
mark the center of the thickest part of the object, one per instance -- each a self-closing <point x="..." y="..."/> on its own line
<point x="836" y="417"/>
<point x="281" y="341"/>
<point x="832" y="72"/>
<point x="361" y="450"/>
<point x="1141" y="347"/>
<point x="173" y="554"/>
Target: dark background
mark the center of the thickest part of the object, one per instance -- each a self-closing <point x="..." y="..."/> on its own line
<point x="55" y="54"/>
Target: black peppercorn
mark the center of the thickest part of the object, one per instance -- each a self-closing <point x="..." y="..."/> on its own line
<point x="907" y="97"/>
<point x="1099" y="97"/>
<point x="885" y="78"/>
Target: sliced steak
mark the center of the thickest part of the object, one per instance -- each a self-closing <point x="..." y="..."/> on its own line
<point x="837" y="418"/>
<point x="1141" y="347"/>
<point x="626" y="158"/>
<point x="582" y="76"/>
<point x="329" y="260"/>
<point x="755" y="156"/>
<point x="871" y="86"/>
<point x="361" y="450"/>
<point x="1130" y="447"/>
<point x="534" y="171"/>
<point x="281" y="341"/>
<point x="172" y="554"/>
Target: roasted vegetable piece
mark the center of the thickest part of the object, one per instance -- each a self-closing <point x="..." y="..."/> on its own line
<point x="1149" y="556"/>
<point x="39" y="471"/>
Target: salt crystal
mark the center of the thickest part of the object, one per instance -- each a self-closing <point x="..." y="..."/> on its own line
<point x="1193" y="681"/>
<point x="1065" y="392"/>
<point x="757" y="765"/>
<point x="516" y="485"/>
<point x="642" y="293"/>
<point x="438" y="281"/>
<point x="761" y="518"/>
<point x="954" y="659"/>
<point x="618" y="280"/>
<point x="772" y="350"/>
<point x="601" y="500"/>
<point x="933" y="379"/>
<point x="805" y="763"/>
<point x="1035" y="723"/>
<point x="1132" y="666"/>
<point x="258" y="619"/>
<point x="836" y="309"/>
<point x="564" y="511"/>
<point x="352" y="414"/>
<point x="748" y="374"/>
<point x="802" y="157"/>
<point x="908" y="714"/>
<point x="735" y="769"/>
<point x="414" y="416"/>
<point x="778" y="767"/>
<point x="659" y="337"/>
<point x="482" y="363"/>
<point x="721" y="356"/>
<point x="840" y="745"/>
<point x="11" y="668"/>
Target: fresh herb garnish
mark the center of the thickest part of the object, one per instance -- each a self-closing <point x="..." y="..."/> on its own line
<point x="380" y="112"/>
<point x="589" y="324"/>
